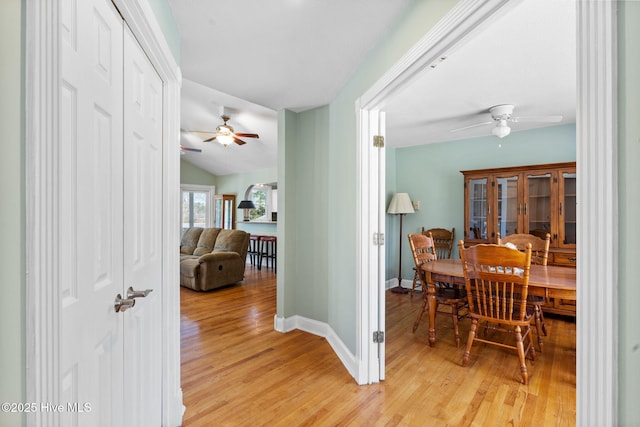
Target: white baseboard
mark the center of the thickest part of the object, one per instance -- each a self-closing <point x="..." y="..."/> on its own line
<point x="321" y="329"/>
<point x="392" y="283"/>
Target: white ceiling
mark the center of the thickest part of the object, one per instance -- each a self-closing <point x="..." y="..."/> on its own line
<point x="297" y="54"/>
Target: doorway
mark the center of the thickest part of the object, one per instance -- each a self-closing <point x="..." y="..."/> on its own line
<point x="596" y="139"/>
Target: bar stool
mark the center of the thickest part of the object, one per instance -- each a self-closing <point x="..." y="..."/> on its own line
<point x="254" y="250"/>
<point x="268" y="251"/>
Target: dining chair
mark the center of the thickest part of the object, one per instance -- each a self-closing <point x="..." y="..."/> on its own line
<point x="443" y="240"/>
<point x="539" y="256"/>
<point x="423" y="250"/>
<point x="496" y="280"/>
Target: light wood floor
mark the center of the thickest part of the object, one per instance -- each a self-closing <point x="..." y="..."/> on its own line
<point x="237" y="371"/>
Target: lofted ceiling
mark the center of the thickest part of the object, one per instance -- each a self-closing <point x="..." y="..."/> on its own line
<point x="251" y="58"/>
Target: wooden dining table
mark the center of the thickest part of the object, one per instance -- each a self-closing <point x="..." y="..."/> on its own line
<point x="547" y="281"/>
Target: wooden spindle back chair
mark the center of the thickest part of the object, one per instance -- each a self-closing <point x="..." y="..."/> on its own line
<point x="497" y="281"/>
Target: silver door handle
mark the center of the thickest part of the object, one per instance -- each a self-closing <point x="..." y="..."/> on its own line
<point x="131" y="293"/>
<point x="123" y="304"/>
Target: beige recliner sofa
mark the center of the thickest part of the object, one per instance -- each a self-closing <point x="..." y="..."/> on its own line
<point x="212" y="257"/>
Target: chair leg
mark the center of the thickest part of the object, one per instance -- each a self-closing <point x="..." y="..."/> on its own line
<point x="472" y="336"/>
<point x="543" y="327"/>
<point x="420" y="313"/>
<point x="521" y="356"/>
<point x="540" y="328"/>
<point x="416" y="277"/>
<point x="454" y="315"/>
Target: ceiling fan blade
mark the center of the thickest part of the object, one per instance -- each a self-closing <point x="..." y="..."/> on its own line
<point x="210" y="139"/>
<point x="195" y="150"/>
<point x="238" y="141"/>
<point x="540" y="119"/>
<point x="248" y="135"/>
<point x="471" y="126"/>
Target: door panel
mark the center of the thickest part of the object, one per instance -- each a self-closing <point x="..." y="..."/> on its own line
<point x="90" y="240"/>
<point x="142" y="235"/>
<point x="540" y="205"/>
<point x="507" y="215"/>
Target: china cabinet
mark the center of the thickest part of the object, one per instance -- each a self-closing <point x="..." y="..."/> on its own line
<point x="535" y="199"/>
<point x="224" y="214"/>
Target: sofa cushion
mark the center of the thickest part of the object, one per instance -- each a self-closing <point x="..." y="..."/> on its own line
<point x="230" y="241"/>
<point x="206" y="241"/>
<point x="190" y="240"/>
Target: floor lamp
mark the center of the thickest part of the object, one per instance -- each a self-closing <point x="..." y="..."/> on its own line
<point x="400" y="205"/>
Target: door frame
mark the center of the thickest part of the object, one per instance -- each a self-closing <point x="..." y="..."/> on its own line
<point x="597" y="193"/>
<point x="43" y="328"/>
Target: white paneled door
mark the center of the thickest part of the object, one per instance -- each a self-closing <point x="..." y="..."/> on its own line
<point x="110" y="107"/>
<point x="142" y="235"/>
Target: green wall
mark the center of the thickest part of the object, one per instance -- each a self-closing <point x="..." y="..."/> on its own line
<point x="164" y="16"/>
<point x="192" y="174"/>
<point x="307" y="214"/>
<point x="629" y="211"/>
<point x="431" y="174"/>
<point x="12" y="209"/>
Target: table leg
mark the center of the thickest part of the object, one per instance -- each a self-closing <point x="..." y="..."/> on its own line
<point x="431" y="299"/>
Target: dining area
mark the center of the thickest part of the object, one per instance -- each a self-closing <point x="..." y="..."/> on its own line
<point x="493" y="294"/>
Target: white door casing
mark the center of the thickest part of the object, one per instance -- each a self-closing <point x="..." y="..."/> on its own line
<point x="371" y="307"/>
<point x="142" y="236"/>
<point x="53" y="185"/>
<point x="596" y="149"/>
<point x="90" y="212"/>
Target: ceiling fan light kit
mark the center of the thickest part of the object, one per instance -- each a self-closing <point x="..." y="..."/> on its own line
<point x="502" y="129"/>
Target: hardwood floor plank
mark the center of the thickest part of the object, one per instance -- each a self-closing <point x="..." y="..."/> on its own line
<point x="237" y="371"/>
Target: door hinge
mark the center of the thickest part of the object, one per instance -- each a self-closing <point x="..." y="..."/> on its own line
<point x="378" y="337"/>
<point x="378" y="141"/>
<point x="378" y="239"/>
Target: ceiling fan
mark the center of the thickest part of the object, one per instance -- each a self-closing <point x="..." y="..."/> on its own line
<point x="225" y="134"/>
<point x="502" y="115"/>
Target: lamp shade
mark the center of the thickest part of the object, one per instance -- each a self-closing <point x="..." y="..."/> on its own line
<point x="400" y="204"/>
<point x="246" y="204"/>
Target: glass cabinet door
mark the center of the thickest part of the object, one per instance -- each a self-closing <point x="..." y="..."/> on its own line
<point x="477" y="205"/>
<point x="537" y="205"/>
<point x="567" y="232"/>
<point x="224" y="211"/>
<point x="508" y="212"/>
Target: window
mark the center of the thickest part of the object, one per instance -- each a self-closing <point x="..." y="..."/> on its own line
<point x="265" y="199"/>
<point x="196" y="206"/>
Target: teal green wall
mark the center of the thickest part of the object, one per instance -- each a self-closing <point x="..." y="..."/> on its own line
<point x="12" y="209"/>
<point x="431" y="174"/>
<point x="307" y="213"/>
<point x="191" y="174"/>
<point x="629" y="211"/>
<point x="164" y="16"/>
